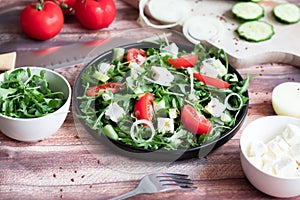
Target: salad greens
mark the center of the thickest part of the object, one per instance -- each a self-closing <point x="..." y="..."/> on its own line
<point x="113" y="112"/>
<point x="27" y="95"/>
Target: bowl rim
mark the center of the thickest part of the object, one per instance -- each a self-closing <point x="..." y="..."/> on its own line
<point x="227" y="135"/>
<point x="243" y="148"/>
<point x="58" y="111"/>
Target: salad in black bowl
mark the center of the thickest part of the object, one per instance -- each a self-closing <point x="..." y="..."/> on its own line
<point x="161" y="101"/>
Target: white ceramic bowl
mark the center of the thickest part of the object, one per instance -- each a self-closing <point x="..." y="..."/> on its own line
<point x="34" y="129"/>
<point x="265" y="129"/>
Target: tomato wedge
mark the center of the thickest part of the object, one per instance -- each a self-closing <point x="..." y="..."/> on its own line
<point x="184" y="61"/>
<point x="136" y="55"/>
<point x="215" y="82"/>
<point x="143" y="108"/>
<point x="113" y="87"/>
<point x="194" y="121"/>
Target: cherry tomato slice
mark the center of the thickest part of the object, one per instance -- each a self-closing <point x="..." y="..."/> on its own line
<point x="143" y="108"/>
<point x="184" y="61"/>
<point x="136" y="55"/>
<point x="195" y="122"/>
<point x="215" y="82"/>
<point x="113" y="87"/>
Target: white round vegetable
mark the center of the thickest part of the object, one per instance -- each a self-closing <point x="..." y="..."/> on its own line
<point x="170" y="12"/>
<point x="286" y="99"/>
<point x="198" y="28"/>
<point x="133" y="132"/>
<point x="227" y="104"/>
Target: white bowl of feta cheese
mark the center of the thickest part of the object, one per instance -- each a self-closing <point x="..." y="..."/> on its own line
<point x="270" y="155"/>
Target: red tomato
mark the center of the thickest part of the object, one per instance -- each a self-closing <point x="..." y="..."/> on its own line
<point x="42" y="21"/>
<point x="184" y="61"/>
<point x="67" y="6"/>
<point x="194" y="121"/>
<point x="143" y="108"/>
<point x="215" y="82"/>
<point x="95" y="14"/>
<point x="136" y="55"/>
<point x="113" y="87"/>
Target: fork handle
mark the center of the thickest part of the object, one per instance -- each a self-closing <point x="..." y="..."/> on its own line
<point x="127" y="195"/>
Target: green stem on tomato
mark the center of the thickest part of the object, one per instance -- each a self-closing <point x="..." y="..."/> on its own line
<point x="40" y="5"/>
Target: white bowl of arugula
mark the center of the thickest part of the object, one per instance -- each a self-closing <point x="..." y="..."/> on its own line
<point x="161" y="101"/>
<point x="34" y="103"/>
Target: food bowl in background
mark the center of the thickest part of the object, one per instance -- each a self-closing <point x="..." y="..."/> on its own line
<point x="265" y="129"/>
<point x="34" y="129"/>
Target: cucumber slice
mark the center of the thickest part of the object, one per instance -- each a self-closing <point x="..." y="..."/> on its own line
<point x="248" y="11"/>
<point x="109" y="131"/>
<point x="255" y="31"/>
<point x="288" y="13"/>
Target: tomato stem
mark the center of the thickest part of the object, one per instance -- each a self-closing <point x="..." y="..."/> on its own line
<point x="40" y="5"/>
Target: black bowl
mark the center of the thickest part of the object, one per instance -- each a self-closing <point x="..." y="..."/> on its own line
<point x="161" y="154"/>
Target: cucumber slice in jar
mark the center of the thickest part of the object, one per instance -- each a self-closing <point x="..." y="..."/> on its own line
<point x="255" y="31"/>
<point x="248" y="11"/>
<point x="288" y="13"/>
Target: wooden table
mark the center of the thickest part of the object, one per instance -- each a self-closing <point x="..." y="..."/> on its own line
<point x="63" y="167"/>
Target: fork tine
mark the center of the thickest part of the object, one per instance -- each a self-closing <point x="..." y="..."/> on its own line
<point x="179" y="186"/>
<point x="176" y="180"/>
<point x="174" y="174"/>
<point x="180" y="181"/>
<point x="171" y="176"/>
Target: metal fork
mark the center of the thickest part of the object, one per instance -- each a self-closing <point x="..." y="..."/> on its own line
<point x="159" y="182"/>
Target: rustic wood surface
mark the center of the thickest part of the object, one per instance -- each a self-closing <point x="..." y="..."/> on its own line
<point x="64" y="166"/>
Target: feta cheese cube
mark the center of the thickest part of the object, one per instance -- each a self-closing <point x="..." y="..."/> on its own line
<point x="215" y="107"/>
<point x="173" y="113"/>
<point x="135" y="70"/>
<point x="104" y="67"/>
<point x="157" y="105"/>
<point x="291" y="134"/>
<point x="268" y="158"/>
<point x="208" y="69"/>
<point x="295" y="152"/>
<point x="172" y="50"/>
<point x="274" y="148"/>
<point x="162" y="75"/>
<point x="286" y="167"/>
<point x="257" y="149"/>
<point x="114" y="112"/>
<point x="281" y="143"/>
<point x="213" y="67"/>
<point x="165" y="125"/>
<point x="220" y="67"/>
